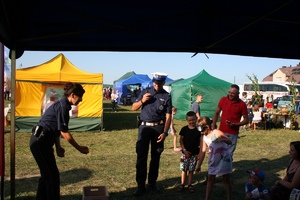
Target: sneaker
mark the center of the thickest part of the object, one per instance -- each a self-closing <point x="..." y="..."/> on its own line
<point x="139" y="192"/>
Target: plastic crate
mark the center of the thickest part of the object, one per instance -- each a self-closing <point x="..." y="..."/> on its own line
<point x="95" y="193"/>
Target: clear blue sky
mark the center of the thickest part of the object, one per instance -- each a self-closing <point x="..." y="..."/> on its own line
<point x="113" y="65"/>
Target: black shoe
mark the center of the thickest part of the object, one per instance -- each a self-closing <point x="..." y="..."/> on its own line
<point x="153" y="188"/>
<point x="139" y="192"/>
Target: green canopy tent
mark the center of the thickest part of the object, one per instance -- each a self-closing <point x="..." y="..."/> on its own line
<point x="184" y="93"/>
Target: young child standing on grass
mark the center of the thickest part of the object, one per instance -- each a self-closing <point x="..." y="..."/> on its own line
<point x="254" y="188"/>
<point x="172" y="130"/>
<point x="190" y="142"/>
<point x="219" y="160"/>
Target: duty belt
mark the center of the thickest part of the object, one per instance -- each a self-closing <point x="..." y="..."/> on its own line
<point x="152" y="123"/>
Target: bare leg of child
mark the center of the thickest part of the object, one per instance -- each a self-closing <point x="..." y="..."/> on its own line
<point x="190" y="181"/>
<point x="183" y="177"/>
<point x="227" y="184"/>
<point x="175" y="143"/>
<point x="190" y="178"/>
<point x="209" y="186"/>
<point x="254" y="126"/>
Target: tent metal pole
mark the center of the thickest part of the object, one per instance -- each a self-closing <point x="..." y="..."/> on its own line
<point x="2" y="159"/>
<point x="12" y="126"/>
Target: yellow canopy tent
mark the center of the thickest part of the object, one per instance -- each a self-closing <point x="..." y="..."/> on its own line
<point x="34" y="85"/>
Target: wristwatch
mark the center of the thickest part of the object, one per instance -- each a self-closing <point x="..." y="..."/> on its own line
<point x="166" y="134"/>
<point x="183" y="150"/>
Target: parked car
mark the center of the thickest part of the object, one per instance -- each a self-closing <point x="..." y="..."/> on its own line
<point x="275" y="102"/>
<point x="286" y="102"/>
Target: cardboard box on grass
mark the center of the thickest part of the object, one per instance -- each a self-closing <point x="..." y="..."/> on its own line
<point x="95" y="193"/>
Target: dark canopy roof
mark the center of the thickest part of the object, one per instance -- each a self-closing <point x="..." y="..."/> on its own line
<point x="254" y="28"/>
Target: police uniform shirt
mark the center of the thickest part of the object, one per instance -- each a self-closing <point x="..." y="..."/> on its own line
<point x="155" y="109"/>
<point x="56" y="117"/>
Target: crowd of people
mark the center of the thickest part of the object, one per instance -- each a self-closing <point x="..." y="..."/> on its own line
<point x="257" y="107"/>
<point x="200" y="135"/>
<point x="107" y="93"/>
<point x="155" y="123"/>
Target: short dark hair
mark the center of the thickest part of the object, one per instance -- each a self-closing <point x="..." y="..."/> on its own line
<point x="235" y="86"/>
<point x="75" y="88"/>
<point x="190" y="114"/>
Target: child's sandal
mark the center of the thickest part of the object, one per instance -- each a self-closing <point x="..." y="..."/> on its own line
<point x="180" y="188"/>
<point x="191" y="189"/>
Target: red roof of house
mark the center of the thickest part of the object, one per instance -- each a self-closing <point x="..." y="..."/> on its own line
<point x="291" y="72"/>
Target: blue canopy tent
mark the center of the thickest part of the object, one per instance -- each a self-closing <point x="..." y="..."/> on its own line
<point x="168" y="80"/>
<point x="123" y="86"/>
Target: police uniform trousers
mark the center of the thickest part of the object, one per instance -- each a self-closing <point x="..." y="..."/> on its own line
<point x="49" y="183"/>
<point x="147" y="135"/>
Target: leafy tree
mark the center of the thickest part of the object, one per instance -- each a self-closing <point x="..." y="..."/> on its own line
<point x="256" y="98"/>
<point x="293" y="91"/>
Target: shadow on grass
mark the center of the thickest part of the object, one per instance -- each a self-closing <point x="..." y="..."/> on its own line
<point x="238" y="178"/>
<point x="168" y="189"/>
<point x="69" y="197"/>
<point x="169" y="186"/>
<point x="23" y="185"/>
<point x="271" y="167"/>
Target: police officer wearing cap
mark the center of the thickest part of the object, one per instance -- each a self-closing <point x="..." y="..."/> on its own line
<point x="154" y="123"/>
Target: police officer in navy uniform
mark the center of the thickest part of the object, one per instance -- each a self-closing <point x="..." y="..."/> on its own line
<point x="52" y="125"/>
<point x="155" y="119"/>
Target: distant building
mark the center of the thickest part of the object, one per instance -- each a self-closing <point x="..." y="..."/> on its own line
<point x="284" y="74"/>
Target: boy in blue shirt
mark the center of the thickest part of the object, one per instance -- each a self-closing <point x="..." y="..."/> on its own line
<point x="254" y="188"/>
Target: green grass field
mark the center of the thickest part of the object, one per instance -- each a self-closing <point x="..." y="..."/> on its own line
<point x="111" y="162"/>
